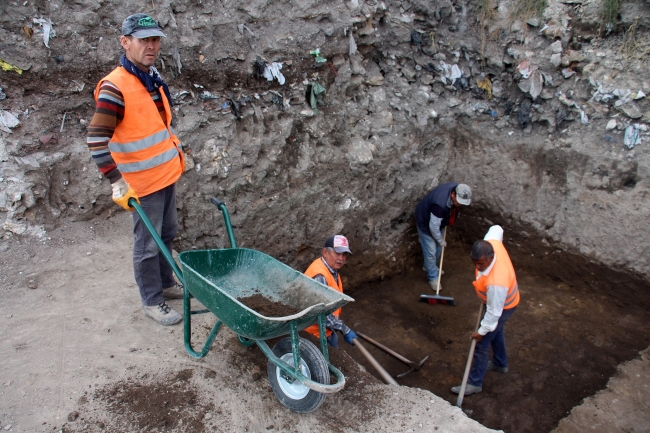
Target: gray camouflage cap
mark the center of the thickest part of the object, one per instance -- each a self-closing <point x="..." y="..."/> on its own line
<point x="463" y="194"/>
<point x="141" y="26"/>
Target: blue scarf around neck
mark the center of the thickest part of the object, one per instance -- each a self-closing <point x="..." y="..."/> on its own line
<point x="152" y="81"/>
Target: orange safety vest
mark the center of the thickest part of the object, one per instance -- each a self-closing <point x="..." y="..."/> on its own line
<point x="318" y="267"/>
<point x="145" y="148"/>
<point x="502" y="274"/>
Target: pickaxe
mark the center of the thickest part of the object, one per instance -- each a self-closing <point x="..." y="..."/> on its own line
<point x="414" y="366"/>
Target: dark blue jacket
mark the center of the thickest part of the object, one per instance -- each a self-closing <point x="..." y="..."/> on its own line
<point x="435" y="202"/>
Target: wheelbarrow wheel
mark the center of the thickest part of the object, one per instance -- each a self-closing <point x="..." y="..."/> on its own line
<point x="295" y="395"/>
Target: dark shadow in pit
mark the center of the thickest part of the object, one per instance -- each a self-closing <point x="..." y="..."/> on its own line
<point x="577" y="320"/>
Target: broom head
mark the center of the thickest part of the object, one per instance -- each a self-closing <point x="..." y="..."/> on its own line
<point x="437" y="299"/>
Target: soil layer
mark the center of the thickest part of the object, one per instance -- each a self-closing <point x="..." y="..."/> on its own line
<point x="564" y="341"/>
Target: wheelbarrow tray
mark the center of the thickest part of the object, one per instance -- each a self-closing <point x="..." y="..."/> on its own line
<point x="217" y="278"/>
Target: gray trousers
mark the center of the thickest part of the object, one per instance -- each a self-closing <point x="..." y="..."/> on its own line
<point x="152" y="272"/>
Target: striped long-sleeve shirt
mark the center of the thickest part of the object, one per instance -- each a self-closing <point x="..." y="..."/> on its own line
<point x="332" y="322"/>
<point x="109" y="112"/>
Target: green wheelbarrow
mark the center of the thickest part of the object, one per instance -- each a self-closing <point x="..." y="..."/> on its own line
<point x="298" y="372"/>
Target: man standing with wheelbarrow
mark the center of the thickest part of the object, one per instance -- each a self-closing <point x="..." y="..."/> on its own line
<point x="132" y="142"/>
<point x="496" y="286"/>
<point x="325" y="270"/>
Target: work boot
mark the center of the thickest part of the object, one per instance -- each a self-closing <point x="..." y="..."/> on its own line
<point x="441" y="272"/>
<point x="493" y="367"/>
<point x="434" y="285"/>
<point x="162" y="313"/>
<point x="469" y="389"/>
<point x="173" y="292"/>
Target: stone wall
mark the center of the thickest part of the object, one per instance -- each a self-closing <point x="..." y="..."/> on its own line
<point x="529" y="111"/>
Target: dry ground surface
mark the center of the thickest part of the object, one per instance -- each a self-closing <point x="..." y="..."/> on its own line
<point x="76" y="354"/>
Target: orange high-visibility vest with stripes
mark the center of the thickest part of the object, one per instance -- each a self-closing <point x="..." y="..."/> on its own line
<point x="502" y="274"/>
<point x="318" y="267"/>
<point x="145" y="148"/>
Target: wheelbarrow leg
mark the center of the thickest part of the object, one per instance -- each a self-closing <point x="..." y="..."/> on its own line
<point x="295" y="347"/>
<point x="323" y="338"/>
<point x="187" y="329"/>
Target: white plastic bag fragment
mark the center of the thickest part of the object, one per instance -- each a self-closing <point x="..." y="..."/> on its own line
<point x="632" y="136"/>
<point x="8" y="121"/>
<point x="525" y="69"/>
<point x="353" y="45"/>
<point x="451" y="73"/>
<point x="241" y="28"/>
<point x="48" y="30"/>
<point x="536" y="84"/>
<point x="272" y="70"/>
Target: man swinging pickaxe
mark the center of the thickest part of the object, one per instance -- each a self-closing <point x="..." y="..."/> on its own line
<point x="414" y="366"/>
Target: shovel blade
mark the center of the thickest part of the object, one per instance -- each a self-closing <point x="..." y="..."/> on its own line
<point x="437" y="299"/>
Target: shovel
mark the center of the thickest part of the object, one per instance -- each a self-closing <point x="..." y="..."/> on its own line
<point x="437" y="299"/>
<point x="414" y="366"/>
<point x="463" y="385"/>
<point x="387" y="377"/>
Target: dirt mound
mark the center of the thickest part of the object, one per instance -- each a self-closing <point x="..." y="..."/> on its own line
<point x="151" y="402"/>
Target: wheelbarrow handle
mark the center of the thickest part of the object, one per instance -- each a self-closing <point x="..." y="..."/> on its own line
<point x="218" y="203"/>
<point x="156" y="237"/>
<point x="226" y="217"/>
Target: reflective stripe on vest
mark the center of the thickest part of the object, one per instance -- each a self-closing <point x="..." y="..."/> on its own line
<point x="148" y="163"/>
<point x="512" y="295"/>
<point x="143" y="146"/>
<point x="318" y="268"/>
<point x="502" y="274"/>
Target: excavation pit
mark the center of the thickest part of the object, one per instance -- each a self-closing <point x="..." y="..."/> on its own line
<point x="576" y="322"/>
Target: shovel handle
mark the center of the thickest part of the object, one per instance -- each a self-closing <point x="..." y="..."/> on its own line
<point x="468" y="366"/>
<point x="387" y="377"/>
<point x="385" y="349"/>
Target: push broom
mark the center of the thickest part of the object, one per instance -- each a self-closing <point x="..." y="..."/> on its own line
<point x="437" y="299"/>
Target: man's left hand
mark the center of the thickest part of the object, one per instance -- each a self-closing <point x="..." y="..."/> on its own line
<point x="350" y="337"/>
<point x="476" y="336"/>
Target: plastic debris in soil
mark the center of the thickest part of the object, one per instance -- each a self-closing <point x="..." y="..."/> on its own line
<point x="48" y="30"/>
<point x="485" y="84"/>
<point x="632" y="136"/>
<point x="272" y="70"/>
<point x="353" y="45"/>
<point x="317" y="56"/>
<point x="9" y="67"/>
<point x="450" y="72"/>
<point x="8" y="121"/>
<point x="416" y="40"/>
<point x="316" y="96"/>
<point x="523" y="117"/>
<point x="207" y="96"/>
<point x="243" y="27"/>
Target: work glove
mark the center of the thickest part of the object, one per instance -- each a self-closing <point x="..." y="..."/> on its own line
<point x="442" y="243"/>
<point x="122" y="192"/>
<point x="349" y="337"/>
<point x="333" y="340"/>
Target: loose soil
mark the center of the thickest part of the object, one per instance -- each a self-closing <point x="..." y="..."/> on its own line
<point x="564" y="341"/>
<point x="267" y="307"/>
<point x="152" y="403"/>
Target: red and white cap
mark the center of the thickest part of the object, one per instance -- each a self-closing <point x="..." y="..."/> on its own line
<point x="339" y="243"/>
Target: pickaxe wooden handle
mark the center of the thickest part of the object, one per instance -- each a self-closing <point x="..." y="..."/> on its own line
<point x="414" y="366"/>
